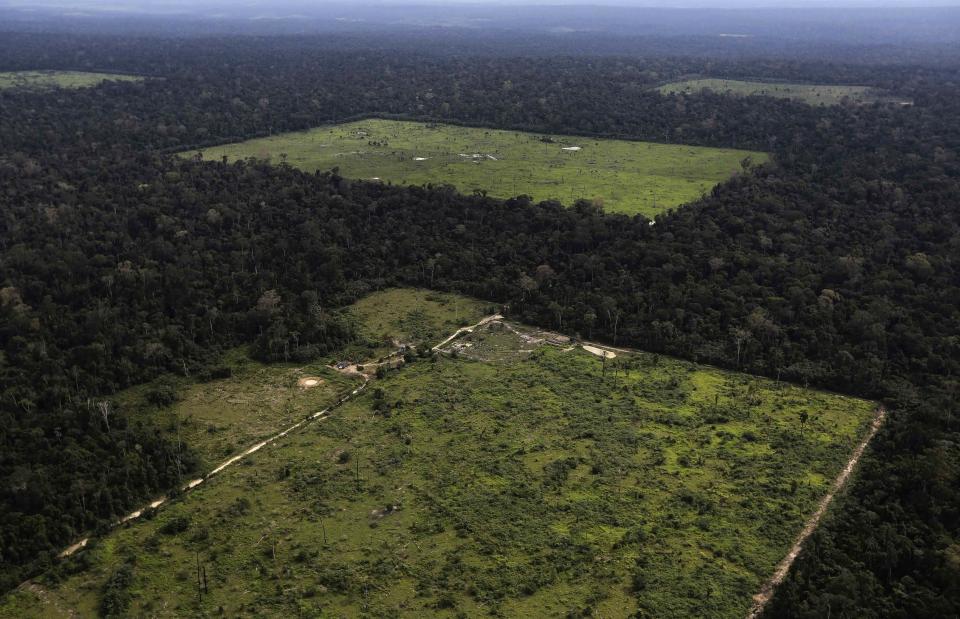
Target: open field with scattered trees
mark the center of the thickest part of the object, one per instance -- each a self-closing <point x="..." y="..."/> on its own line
<point x="238" y="403"/>
<point x="46" y="80"/>
<point x="411" y="316"/>
<point x="505" y="475"/>
<point x="623" y="176"/>
<point x="813" y="94"/>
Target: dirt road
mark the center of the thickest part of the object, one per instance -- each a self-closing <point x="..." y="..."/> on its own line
<point x="319" y="415"/>
<point x="761" y="599"/>
<point x="469" y="329"/>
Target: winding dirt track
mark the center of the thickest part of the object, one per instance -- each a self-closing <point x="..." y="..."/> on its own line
<point x="761" y="599"/>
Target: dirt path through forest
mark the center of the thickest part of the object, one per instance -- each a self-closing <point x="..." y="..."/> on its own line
<point x="761" y="599"/>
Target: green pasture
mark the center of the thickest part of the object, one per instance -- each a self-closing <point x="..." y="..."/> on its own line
<point x="416" y="316"/>
<point x="46" y="80"/>
<point x="219" y="418"/>
<point x="624" y="176"/>
<point x="812" y="94"/>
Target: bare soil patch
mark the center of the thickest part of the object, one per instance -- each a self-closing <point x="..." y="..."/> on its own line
<point x="599" y="351"/>
<point x="308" y="382"/>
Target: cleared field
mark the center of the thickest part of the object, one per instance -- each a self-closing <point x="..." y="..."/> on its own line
<point x="627" y="177"/>
<point x="252" y="400"/>
<point x="221" y="417"/>
<point x="507" y="476"/>
<point x="45" y="80"/>
<point x="415" y="315"/>
<point x="813" y="94"/>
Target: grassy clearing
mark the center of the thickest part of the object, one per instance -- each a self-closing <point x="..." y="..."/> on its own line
<point x="512" y="477"/>
<point x="627" y="177"/>
<point x="46" y="80"/>
<point x="812" y="94"/>
<point x="224" y="416"/>
<point x="415" y="315"/>
<point x="251" y="400"/>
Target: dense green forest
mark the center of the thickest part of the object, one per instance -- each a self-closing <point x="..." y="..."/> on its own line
<point x="834" y="266"/>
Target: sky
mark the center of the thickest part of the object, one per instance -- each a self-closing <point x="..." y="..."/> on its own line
<point x="285" y="5"/>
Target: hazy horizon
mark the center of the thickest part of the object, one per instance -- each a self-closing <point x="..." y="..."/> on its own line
<point x="624" y="23"/>
<point x="308" y="5"/>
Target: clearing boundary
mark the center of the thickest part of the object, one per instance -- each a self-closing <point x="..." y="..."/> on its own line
<point x="761" y="599"/>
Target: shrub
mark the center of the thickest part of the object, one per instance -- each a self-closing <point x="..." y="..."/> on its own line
<point x="555" y="473"/>
<point x="179" y="524"/>
<point x="115" y="598"/>
<point x="163" y="394"/>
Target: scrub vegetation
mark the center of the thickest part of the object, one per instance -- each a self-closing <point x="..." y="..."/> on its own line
<point x="539" y="483"/>
<point x="236" y="404"/>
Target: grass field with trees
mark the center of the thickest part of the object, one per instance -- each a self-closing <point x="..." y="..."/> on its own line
<point x="246" y="401"/>
<point x="47" y="80"/>
<point x="813" y="94"/>
<point x="624" y="176"/>
<point x="413" y="315"/>
<point x="249" y="400"/>
<point x="541" y="483"/>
